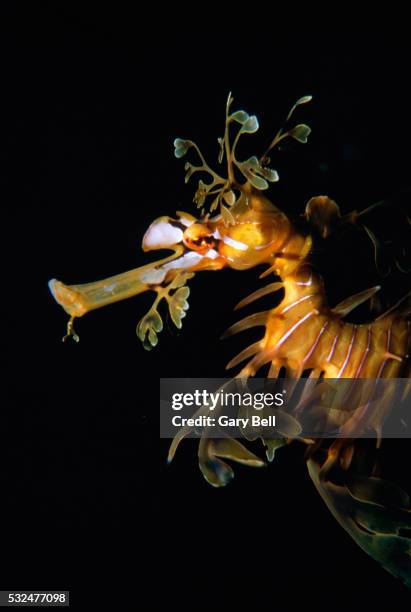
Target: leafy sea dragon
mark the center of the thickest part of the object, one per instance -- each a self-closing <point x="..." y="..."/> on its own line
<point x="239" y="227"/>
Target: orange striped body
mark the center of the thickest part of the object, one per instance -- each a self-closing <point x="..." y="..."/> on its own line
<point x="303" y="333"/>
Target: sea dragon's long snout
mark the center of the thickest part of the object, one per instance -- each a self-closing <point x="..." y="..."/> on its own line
<point x="159" y="276"/>
<point x="77" y="300"/>
<point x="166" y="277"/>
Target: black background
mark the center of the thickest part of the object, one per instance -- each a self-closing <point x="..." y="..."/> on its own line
<point x="91" y="103"/>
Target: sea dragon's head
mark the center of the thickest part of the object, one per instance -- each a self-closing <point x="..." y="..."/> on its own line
<point x="240" y="229"/>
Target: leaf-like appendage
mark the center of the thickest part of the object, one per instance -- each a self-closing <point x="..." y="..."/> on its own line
<point x="250" y="126"/>
<point x="181" y="147"/>
<point x="257" y="174"/>
<point x="300" y="132"/>
<point x="227" y="216"/>
<point x="229" y="197"/>
<point x="216" y="472"/>
<point x="151" y="324"/>
<point x="256" y="181"/>
<point x="254" y="170"/>
<point x="181" y="279"/>
<point x="240" y="117"/>
<point x="302" y="100"/>
<point x="178" y="305"/>
<point x="255" y="166"/>
<point x="221" y="151"/>
<point x="148" y="328"/>
<point x="201" y="194"/>
<point x="272" y="446"/>
<point x="189" y="171"/>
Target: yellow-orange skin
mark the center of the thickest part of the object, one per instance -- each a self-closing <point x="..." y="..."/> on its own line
<point x="343" y="349"/>
<point x="302" y="332"/>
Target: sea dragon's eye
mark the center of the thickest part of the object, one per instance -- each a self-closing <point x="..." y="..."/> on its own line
<point x="198" y="238"/>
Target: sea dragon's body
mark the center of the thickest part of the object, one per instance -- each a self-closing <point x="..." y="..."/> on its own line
<point x="303" y="333"/>
<point x="303" y="336"/>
